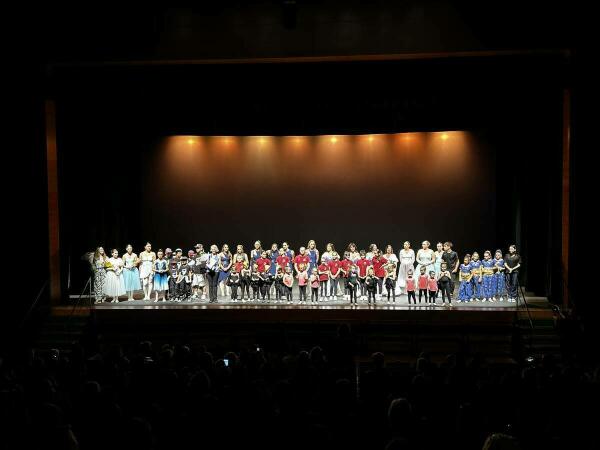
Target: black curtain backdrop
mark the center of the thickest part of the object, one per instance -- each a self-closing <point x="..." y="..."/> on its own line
<point x="119" y="184"/>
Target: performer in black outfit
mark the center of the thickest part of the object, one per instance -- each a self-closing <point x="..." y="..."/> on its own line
<point x="512" y="262"/>
<point x="233" y="281"/>
<point x="212" y="274"/>
<point x="450" y="257"/>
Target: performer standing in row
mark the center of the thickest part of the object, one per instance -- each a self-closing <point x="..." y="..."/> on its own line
<point x="255" y="253"/>
<point x="335" y="271"/>
<point x="273" y="254"/>
<point x="444" y="278"/>
<point x="512" y="262"/>
<point x="161" y="276"/>
<point x="476" y="276"/>
<point x="426" y="258"/>
<point x="354" y="253"/>
<point x="363" y="265"/>
<point x="131" y="274"/>
<point x="346" y="266"/>
<point x="450" y="257"/>
<point x="411" y="287"/>
<point x="287" y="251"/>
<point x="391" y="258"/>
<point x="301" y="259"/>
<point x="439" y="253"/>
<point x="407" y="261"/>
<point x="353" y="284"/>
<point x="288" y="283"/>
<point x="147" y="258"/>
<point x="499" y="284"/>
<point x="487" y="275"/>
<point x="390" y="281"/>
<point x="302" y="281"/>
<point x="378" y="262"/>
<point x="313" y="255"/>
<point x="371" y="285"/>
<point x="323" y="271"/>
<point x="465" y="290"/>
<point x="225" y="262"/>
<point x="327" y="257"/>
<point x="212" y="273"/>
<point x="199" y="272"/>
<point x="314" y="285"/>
<point x="114" y="286"/>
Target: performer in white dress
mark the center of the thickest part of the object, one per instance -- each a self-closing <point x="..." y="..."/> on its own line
<point x="114" y="286"/>
<point x="147" y="258"/>
<point x="407" y="262"/>
<point x="425" y="257"/>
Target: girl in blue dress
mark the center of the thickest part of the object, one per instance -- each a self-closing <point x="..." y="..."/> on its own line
<point x="161" y="276"/>
<point x="313" y="255"/>
<point x="225" y="262"/>
<point x="487" y="276"/>
<point x="499" y="285"/>
<point x="465" y="289"/>
<point x="476" y="276"/>
<point x="131" y="274"/>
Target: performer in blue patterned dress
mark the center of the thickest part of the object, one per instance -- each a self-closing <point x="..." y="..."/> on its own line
<point x="499" y="283"/>
<point x="161" y="276"/>
<point x="225" y="262"/>
<point x="313" y="255"/>
<point x="272" y="254"/>
<point x="289" y="253"/>
<point x="487" y="275"/>
<point x="131" y="274"/>
<point x="476" y="276"/>
<point x="465" y="289"/>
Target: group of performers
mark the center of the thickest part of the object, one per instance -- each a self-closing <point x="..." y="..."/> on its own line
<point x="269" y="275"/>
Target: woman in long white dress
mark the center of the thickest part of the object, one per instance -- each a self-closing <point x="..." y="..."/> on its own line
<point x="147" y="258"/>
<point x="439" y="252"/>
<point x="114" y="286"/>
<point x="407" y="262"/>
<point x="425" y="257"/>
<point x="391" y="258"/>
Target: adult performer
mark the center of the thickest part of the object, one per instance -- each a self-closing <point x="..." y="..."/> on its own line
<point x="425" y="257"/>
<point x="406" y="257"/>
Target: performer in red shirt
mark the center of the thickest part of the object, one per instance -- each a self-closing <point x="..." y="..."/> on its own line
<point x="263" y="262"/>
<point x="335" y="271"/>
<point x="363" y="265"/>
<point x="324" y="279"/>
<point x="301" y="258"/>
<point x="378" y="262"/>
<point x="282" y="260"/>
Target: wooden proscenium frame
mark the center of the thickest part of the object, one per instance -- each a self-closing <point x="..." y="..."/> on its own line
<point x="52" y="151"/>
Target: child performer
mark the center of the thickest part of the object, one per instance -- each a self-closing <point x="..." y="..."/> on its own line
<point x="422" y="284"/>
<point x="346" y="266"/>
<point x="173" y="267"/>
<point x="432" y="287"/>
<point x="314" y="285"/>
<point x="335" y="271"/>
<point x="379" y="263"/>
<point x="263" y="262"/>
<point x="131" y="274"/>
<point x="233" y="281"/>
<point x="161" y="276"/>
<point x="245" y="275"/>
<point x="279" y="287"/>
<point x="411" y="286"/>
<point x="184" y="280"/>
<point x="267" y="282"/>
<point x="371" y="285"/>
<point x="444" y="278"/>
<point x="114" y="285"/>
<point x="499" y="285"/>
<point x="255" y="282"/>
<point x="323" y="270"/>
<point x="147" y="258"/>
<point x="487" y="275"/>
<point x="301" y="258"/>
<point x="362" y="264"/>
<point x="476" y="275"/>
<point x="465" y="290"/>
<point x="390" y="281"/>
<point x="352" y="284"/>
<point x="302" y="281"/>
<point x="283" y="260"/>
<point x="288" y="282"/>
